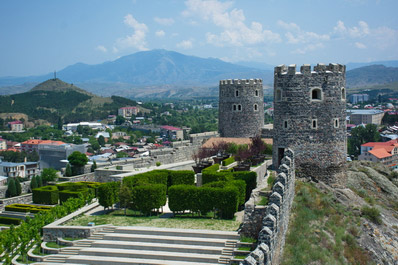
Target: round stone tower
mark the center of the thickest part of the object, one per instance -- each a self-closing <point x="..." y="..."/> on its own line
<point x="310" y="118"/>
<point x="241" y="108"/>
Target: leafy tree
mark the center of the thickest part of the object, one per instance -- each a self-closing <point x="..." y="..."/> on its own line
<point x="68" y="170"/>
<point x="33" y="157"/>
<point x="121" y="155"/>
<point x="59" y="123"/>
<point x="77" y="159"/>
<point x="101" y="140"/>
<point x="48" y="174"/>
<point x="108" y="194"/>
<point x="361" y="135"/>
<point x="39" y="181"/>
<point x="33" y="183"/>
<point x="79" y="129"/>
<point x="18" y="187"/>
<point x="125" y="197"/>
<point x="11" y="188"/>
<point x="120" y="120"/>
<point x="93" y="166"/>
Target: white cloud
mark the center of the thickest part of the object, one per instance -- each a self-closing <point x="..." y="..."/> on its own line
<point x="101" y="48"/>
<point x="164" y="21"/>
<point x="185" y="44"/>
<point x="384" y="38"/>
<point x="296" y="35"/>
<point x="360" y="45"/>
<point x="136" y="40"/>
<point x="160" y="33"/>
<point x="359" y="31"/>
<point x="308" y="48"/>
<point x="235" y="31"/>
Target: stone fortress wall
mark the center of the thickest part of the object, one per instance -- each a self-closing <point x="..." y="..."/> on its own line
<point x="310" y="118"/>
<point x="273" y="227"/>
<point x="241" y="108"/>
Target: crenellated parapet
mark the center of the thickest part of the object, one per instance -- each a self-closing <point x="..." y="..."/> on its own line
<point x="256" y="81"/>
<point x="306" y="69"/>
<point x="271" y="238"/>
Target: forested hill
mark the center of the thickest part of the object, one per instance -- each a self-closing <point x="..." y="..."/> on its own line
<point x="55" y="100"/>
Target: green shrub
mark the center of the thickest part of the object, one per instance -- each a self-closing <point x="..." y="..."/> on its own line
<point x="148" y="197"/>
<point x="182" y="197"/>
<point x="71" y="186"/>
<point x="214" y="168"/>
<point x="228" y="161"/>
<point x="151" y="177"/>
<point x="158" y="164"/>
<point x="26" y="208"/>
<point x="226" y="201"/>
<point x="46" y="195"/>
<point x="250" y="178"/>
<point x="64" y="195"/>
<point x="108" y="194"/>
<point x="212" y="176"/>
<point x="10" y="220"/>
<point x="180" y="177"/>
<point x="372" y="214"/>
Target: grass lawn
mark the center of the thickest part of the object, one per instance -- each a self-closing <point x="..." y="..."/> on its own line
<point x="186" y="221"/>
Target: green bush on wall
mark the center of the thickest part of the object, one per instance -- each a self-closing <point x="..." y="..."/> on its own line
<point x="9" y="220"/>
<point x="46" y="195"/>
<point x="228" y="161"/>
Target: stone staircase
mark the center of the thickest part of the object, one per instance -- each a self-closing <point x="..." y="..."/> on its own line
<point x="150" y="245"/>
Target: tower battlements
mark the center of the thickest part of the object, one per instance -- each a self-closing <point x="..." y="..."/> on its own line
<point x="241" y="82"/>
<point x="306" y="69"/>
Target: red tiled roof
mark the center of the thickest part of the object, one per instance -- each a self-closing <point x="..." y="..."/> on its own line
<point x="170" y="128"/>
<point x="32" y="142"/>
<point x="15" y="122"/>
<point x="380" y="153"/>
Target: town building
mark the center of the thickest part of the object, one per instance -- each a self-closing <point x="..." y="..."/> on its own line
<point x="16" y="126"/>
<point x="32" y="145"/>
<point x="22" y="170"/>
<point x="92" y="125"/>
<point x="171" y="133"/>
<point x="127" y="112"/>
<point x="356" y="98"/>
<point x="365" y="116"/>
<point x="380" y="152"/>
<point x="55" y="156"/>
<point x="3" y="144"/>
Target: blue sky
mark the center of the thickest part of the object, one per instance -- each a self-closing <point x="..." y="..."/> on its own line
<point x="40" y="36"/>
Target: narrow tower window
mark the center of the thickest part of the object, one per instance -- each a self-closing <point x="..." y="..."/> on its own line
<point x="255" y="107"/>
<point x="236" y="93"/>
<point x="285" y="125"/>
<point x="336" y="123"/>
<point x="343" y="93"/>
<point x="239" y="107"/>
<point x="314" y="124"/>
<point x="256" y="93"/>
<point x="316" y="94"/>
<point x="234" y="107"/>
<point x="278" y="96"/>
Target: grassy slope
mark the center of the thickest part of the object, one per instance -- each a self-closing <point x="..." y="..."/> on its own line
<point x="334" y="226"/>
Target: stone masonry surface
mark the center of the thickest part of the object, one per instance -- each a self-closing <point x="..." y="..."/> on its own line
<point x="241" y="108"/>
<point x="271" y="238"/>
<point x="310" y="118"/>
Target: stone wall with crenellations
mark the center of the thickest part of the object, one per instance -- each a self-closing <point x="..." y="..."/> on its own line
<point x="273" y="226"/>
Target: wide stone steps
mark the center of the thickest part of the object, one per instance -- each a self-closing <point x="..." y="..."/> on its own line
<point x="166" y="239"/>
<point x="158" y="247"/>
<point x="147" y="254"/>
<point x="177" y="232"/>
<point x="56" y="258"/>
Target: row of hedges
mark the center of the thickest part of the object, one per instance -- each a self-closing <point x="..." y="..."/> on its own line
<point x="228" y="161"/>
<point x="10" y="220"/>
<point x="62" y="192"/>
<point x="204" y="199"/>
<point x="249" y="177"/>
<point x="164" y="177"/>
<point x="148" y="197"/>
<point x="26" y="208"/>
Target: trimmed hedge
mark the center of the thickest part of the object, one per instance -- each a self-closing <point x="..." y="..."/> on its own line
<point x="239" y="184"/>
<point x="108" y="194"/>
<point x="213" y="168"/>
<point x="180" y="177"/>
<point x="148" y="197"/>
<point x="228" y="161"/>
<point x="26" y="208"/>
<point x="10" y="220"/>
<point x="151" y="177"/>
<point x="46" y="195"/>
<point x="64" y="195"/>
<point x="205" y="199"/>
<point x="250" y="178"/>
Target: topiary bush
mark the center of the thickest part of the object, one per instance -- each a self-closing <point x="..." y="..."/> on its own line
<point x="10" y="220"/>
<point x="46" y="195"/>
<point x="145" y="198"/>
<point x="181" y="177"/>
<point x="228" y="161"/>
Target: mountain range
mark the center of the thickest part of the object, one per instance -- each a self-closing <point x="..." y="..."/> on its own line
<point x="161" y="73"/>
